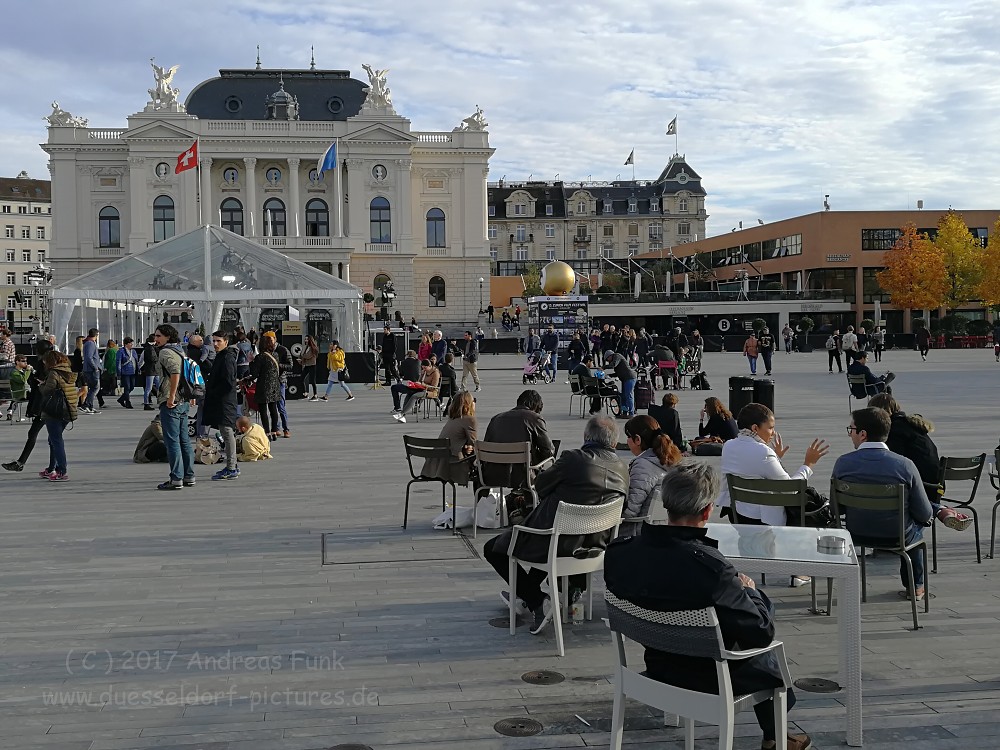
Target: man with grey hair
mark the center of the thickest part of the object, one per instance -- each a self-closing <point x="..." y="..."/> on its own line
<point x="699" y="577"/>
<point x="590" y="475"/>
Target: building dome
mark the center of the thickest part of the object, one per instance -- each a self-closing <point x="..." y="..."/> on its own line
<point x="281" y="105"/>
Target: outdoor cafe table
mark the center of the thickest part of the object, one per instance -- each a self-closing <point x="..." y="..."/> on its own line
<point x="788" y="551"/>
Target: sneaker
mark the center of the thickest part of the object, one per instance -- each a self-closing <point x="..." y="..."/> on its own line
<point x="287" y="434"/>
<point x="349" y="398"/>
<point x="401" y="419"/>
<point x="520" y="608"/>
<point x="10" y="416"/>
<point x="58" y="476"/>
<point x="398" y="415"/>
<point x="128" y="405"/>
<point x="47" y="474"/>
<point x="323" y="398"/>
<point x="222" y="474"/>
<point x="234" y="474"/>
<point x="189" y="482"/>
<point x="94" y="411"/>
<point x="13" y="466"/>
<point x="82" y="410"/>
<point x="168" y="485"/>
<point x="954" y="520"/>
<point x="543" y="616"/>
<point x="148" y="407"/>
<point x="905" y="594"/>
<point x="478" y="389"/>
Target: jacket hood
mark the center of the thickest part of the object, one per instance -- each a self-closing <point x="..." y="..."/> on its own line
<point x="65" y="369"/>
<point x="650" y="456"/>
<point x="917" y="421"/>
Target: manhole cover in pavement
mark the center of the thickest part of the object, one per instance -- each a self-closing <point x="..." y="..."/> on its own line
<point x="504" y="622"/>
<point x="817" y="685"/>
<point x="350" y="746"/>
<point x="518" y="727"/>
<point x="542" y="677"/>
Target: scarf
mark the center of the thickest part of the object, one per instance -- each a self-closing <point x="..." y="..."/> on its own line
<point x="747" y="432"/>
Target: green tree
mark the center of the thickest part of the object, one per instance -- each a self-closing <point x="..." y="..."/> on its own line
<point x="915" y="275"/>
<point x="532" y="278"/>
<point x="963" y="260"/>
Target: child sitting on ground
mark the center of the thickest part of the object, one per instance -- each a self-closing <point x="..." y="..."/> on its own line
<point x="252" y="443"/>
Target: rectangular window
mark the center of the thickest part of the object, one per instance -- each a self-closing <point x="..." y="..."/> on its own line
<point x="684" y="229"/>
<point x="581" y="207"/>
<point x="633" y="230"/>
<point x="609" y="230"/>
<point x="26" y="256"/>
<point x="548" y="209"/>
<point x="8" y="231"/>
<point x="521" y="253"/>
<point x="632" y="205"/>
<point x="6" y="209"/>
<point x="581" y="253"/>
<point x="38" y="210"/>
<point x="654" y="204"/>
<point x="11" y="303"/>
<point x="492" y="210"/>
<point x="520" y="233"/>
<point x="655" y="245"/>
<point x="10" y="256"/>
<point x="491" y="232"/>
<point x="633" y="248"/>
<point x="682" y="206"/>
<point x="11" y="278"/>
<point x="41" y="256"/>
<point x="25" y="233"/>
<point x="581" y="231"/>
<point x="550" y="230"/>
<point x="654" y="231"/>
<point x="39" y="233"/>
<point x="550" y="253"/>
<point x="22" y="209"/>
<point x="494" y="252"/>
<point x="607" y="251"/>
<point x="520" y="209"/>
<point x="790" y="245"/>
<point x="878" y="239"/>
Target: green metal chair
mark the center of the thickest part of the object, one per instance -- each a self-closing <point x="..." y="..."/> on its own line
<point x="959" y="470"/>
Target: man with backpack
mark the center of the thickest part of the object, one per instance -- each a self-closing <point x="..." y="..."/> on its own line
<point x="833" y="346"/>
<point x="174" y="397"/>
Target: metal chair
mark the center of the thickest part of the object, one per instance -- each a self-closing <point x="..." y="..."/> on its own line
<point x="995" y="481"/>
<point x="572" y="520"/>
<point x="882" y="497"/>
<point x="576" y="391"/>
<point x="610" y="397"/>
<point x="504" y="454"/>
<point x="959" y="470"/>
<point x="426" y="448"/>
<point x="695" y="633"/>
<point x="778" y="493"/>
<point x="853" y="380"/>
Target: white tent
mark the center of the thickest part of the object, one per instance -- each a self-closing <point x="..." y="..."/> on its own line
<point x="208" y="268"/>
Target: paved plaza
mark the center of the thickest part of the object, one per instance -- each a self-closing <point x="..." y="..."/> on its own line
<point x="204" y="619"/>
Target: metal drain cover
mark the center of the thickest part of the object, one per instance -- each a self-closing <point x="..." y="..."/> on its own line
<point x="350" y="746"/>
<point x="817" y="685"/>
<point x="504" y="622"/>
<point x="518" y="727"/>
<point x="542" y="677"/>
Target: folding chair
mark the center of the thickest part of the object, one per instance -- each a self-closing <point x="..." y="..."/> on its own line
<point x="695" y="633"/>
<point x="959" y="470"/>
<point x="882" y="497"/>
<point x="853" y="380"/>
<point x="572" y="520"/>
<point x="778" y="493"/>
<point x="665" y="366"/>
<point x="425" y="448"/>
<point x="504" y="454"/>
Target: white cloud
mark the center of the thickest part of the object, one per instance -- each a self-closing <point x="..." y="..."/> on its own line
<point x="875" y="103"/>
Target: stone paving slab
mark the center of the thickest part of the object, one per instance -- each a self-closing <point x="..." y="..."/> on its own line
<point x="204" y="618"/>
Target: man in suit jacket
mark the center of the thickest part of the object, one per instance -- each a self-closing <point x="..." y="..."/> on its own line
<point x="873" y="463"/>
<point x="700" y="577"/>
<point x="590" y="475"/>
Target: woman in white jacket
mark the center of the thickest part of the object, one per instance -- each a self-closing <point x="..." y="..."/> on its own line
<point x="655" y="456"/>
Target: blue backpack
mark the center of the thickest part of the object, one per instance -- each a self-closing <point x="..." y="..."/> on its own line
<point x="192" y="382"/>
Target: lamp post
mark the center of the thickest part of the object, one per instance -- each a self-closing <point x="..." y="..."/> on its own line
<point x="40" y="276"/>
<point x="481" y="308"/>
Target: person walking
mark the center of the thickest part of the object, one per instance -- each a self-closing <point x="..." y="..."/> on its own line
<point x="878" y="342"/>
<point x="470" y="356"/>
<point x="923" y="341"/>
<point x="834" y="346"/>
<point x="109" y="375"/>
<point x="59" y="377"/>
<point x="220" y="401"/>
<point x="35" y="412"/>
<point x="336" y="364"/>
<point x="310" y="353"/>
<point x="750" y="352"/>
<point x="148" y="372"/>
<point x="266" y="373"/>
<point x="173" y="408"/>
<point x="92" y="368"/>
<point x="788" y="335"/>
<point x="849" y="343"/>
<point x="765" y="343"/>
<point x="126" y="366"/>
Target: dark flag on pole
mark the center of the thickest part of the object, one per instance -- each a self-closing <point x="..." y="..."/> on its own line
<point x="631" y="157"/>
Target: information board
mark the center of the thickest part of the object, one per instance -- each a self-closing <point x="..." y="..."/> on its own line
<point x="567" y="315"/>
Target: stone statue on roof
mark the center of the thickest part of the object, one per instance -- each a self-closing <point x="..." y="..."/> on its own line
<point x="61" y="118"/>
<point x="475" y="121"/>
<point x="163" y="94"/>
<point x="379" y="96"/>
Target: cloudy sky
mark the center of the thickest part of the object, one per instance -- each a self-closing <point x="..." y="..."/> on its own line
<point x="878" y="103"/>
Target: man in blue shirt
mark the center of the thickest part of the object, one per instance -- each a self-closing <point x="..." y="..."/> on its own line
<point x="873" y="463"/>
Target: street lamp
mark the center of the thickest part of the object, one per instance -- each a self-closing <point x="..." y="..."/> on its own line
<point x="481" y="309"/>
<point x="40" y="275"/>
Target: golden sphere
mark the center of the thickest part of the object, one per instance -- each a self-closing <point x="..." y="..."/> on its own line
<point x="558" y="279"/>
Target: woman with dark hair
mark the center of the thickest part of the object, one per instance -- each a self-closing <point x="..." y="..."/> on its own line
<point x="264" y="370"/>
<point x="720" y="426"/>
<point x="655" y="455"/>
<point x="59" y="377"/>
<point x="310" y="353"/>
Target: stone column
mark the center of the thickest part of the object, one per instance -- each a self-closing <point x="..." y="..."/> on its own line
<point x="250" y="209"/>
<point x="405" y="210"/>
<point x="207" y="204"/>
<point x="357" y="207"/>
<point x="293" y="198"/>
<point x="139" y="211"/>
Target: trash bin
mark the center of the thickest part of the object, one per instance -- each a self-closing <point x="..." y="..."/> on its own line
<point x="763" y="392"/>
<point x="741" y="393"/>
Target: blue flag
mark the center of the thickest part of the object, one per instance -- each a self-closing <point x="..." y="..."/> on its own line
<point x="329" y="160"/>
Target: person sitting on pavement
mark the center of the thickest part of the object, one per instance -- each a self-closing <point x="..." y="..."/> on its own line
<point x="522" y="424"/>
<point x="700" y="577"/>
<point x="655" y="457"/>
<point x="670" y="420"/>
<point x="151" y="449"/>
<point x="871" y="462"/>
<point x="253" y="444"/>
<point x="873" y="384"/>
<point x="908" y="436"/>
<point x="720" y="426"/>
<point x="590" y="475"/>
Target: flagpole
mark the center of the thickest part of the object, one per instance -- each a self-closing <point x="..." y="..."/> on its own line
<point x="340" y="197"/>
<point x="676" y="149"/>
<point x="197" y="179"/>
<point x="633" y="164"/>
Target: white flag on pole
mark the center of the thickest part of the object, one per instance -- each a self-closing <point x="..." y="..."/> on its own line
<point x="672" y="127"/>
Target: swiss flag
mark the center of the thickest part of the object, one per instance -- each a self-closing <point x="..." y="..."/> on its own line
<point x="188" y="159"/>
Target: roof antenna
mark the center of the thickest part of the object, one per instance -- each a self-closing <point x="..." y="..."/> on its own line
<point x="281" y="79"/>
<point x="258" y="57"/>
<point x="312" y="60"/>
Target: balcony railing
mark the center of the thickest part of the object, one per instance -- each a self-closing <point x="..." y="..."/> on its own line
<point x="380" y="247"/>
<point x="581" y="239"/>
<point x="617" y="298"/>
<point x="109" y="252"/>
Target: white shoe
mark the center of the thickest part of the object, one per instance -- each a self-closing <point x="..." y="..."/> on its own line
<point x="520" y="608"/>
<point x="401" y="419"/>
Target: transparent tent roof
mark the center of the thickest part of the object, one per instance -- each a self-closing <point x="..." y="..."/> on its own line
<point x="207" y="264"/>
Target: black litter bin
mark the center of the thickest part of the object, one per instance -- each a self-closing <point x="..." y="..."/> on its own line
<point x="741" y="393"/>
<point x="763" y="392"/>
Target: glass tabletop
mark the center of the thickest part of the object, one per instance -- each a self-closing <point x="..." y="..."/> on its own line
<point x="739" y="541"/>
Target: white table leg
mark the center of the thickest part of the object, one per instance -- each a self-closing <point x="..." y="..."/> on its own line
<point x="850" y="652"/>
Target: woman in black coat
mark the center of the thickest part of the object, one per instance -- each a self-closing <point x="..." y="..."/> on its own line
<point x="264" y="370"/>
<point x="219" y="407"/>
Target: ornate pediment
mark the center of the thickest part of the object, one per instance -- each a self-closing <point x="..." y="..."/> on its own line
<point x="380" y="133"/>
<point x="158" y="130"/>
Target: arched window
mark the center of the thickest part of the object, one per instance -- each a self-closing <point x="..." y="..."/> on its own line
<point x="380" y="281"/>
<point x="274" y="218"/>
<point x="381" y="229"/>
<point x="435" y="292"/>
<point x="109" y="223"/>
<point x="435" y="229"/>
<point x="317" y="218"/>
<point x="163" y="218"/>
<point x="232" y="215"/>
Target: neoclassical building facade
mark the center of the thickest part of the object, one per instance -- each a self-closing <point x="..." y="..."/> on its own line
<point x="395" y="204"/>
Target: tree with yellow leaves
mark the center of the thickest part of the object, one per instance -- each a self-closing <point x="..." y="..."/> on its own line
<point x="915" y="275"/>
<point x="989" y="286"/>
<point x="963" y="259"/>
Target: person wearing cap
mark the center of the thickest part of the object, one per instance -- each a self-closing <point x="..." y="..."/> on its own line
<point x="655" y="456"/>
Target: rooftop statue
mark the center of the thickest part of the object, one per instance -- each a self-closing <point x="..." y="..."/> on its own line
<point x="475" y="121"/>
<point x="163" y="94"/>
<point x="379" y="95"/>
<point x="61" y="118"/>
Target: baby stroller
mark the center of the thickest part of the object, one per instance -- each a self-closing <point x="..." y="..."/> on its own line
<point x="534" y="368"/>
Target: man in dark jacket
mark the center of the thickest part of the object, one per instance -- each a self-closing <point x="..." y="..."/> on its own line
<point x="873" y="384"/>
<point x="285" y="365"/>
<point x="616" y="362"/>
<point x="220" y="401"/>
<point x="470" y="358"/>
<point x="700" y="577"/>
<point x="389" y="354"/>
<point x="591" y="475"/>
<point x="149" y="374"/>
<point x="523" y="423"/>
<point x="594" y="386"/>
<point x="550" y="343"/>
